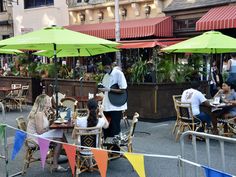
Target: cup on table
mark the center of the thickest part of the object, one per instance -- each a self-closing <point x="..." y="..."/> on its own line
<point x="63" y="115"/>
<point x="216" y="100"/>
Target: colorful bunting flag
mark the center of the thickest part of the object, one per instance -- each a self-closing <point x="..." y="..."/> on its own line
<point x="210" y="172"/>
<point x="137" y="161"/>
<point x="18" y="143"/>
<point x="43" y="147"/>
<point x="71" y="153"/>
<point x="101" y="158"/>
<point x="2" y="132"/>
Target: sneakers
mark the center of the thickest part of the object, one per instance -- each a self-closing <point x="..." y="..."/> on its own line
<point x="60" y="169"/>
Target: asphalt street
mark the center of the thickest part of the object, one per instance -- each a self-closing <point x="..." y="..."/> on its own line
<point x="150" y="138"/>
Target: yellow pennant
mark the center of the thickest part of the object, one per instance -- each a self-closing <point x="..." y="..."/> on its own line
<point x="137" y="161"/>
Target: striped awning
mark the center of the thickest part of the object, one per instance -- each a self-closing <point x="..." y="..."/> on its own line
<point x="160" y="27"/>
<point x="150" y="43"/>
<point x="218" y="18"/>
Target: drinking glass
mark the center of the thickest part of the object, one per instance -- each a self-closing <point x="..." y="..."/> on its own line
<point x="63" y="115"/>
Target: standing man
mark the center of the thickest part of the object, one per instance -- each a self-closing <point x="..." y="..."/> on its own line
<point x="114" y="86"/>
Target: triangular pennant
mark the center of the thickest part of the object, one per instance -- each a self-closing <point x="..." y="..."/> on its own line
<point x="210" y="172"/>
<point x="137" y="162"/>
<point x="2" y="132"/>
<point x="18" y="143"/>
<point x="71" y="153"/>
<point x="43" y="147"/>
<point x="101" y="158"/>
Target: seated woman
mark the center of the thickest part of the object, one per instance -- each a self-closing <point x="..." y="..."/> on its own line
<point x="227" y="95"/>
<point x="95" y="118"/>
<point x="38" y="124"/>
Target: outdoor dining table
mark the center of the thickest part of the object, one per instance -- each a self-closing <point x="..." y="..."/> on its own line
<point x="5" y="90"/>
<point x="66" y="125"/>
<point x="215" y="111"/>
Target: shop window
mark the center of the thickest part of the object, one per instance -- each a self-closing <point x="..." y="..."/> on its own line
<point x="37" y="3"/>
<point x="185" y="24"/>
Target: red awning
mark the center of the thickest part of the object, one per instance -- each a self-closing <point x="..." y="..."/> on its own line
<point x="161" y="27"/>
<point x="218" y="18"/>
<point x="149" y="43"/>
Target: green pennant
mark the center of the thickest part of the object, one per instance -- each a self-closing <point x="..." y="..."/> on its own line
<point x="2" y="132"/>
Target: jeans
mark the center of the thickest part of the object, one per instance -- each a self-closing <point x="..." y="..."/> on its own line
<point x="204" y="118"/>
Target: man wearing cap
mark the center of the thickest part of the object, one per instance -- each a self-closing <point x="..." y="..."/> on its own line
<point x="112" y="106"/>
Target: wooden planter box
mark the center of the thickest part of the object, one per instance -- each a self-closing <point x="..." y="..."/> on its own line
<point x="151" y="101"/>
<point x="34" y="85"/>
<point x="154" y="101"/>
<point x="70" y="87"/>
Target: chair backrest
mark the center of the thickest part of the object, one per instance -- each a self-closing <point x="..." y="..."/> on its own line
<point x="21" y="123"/>
<point x="89" y="137"/>
<point x="60" y="96"/>
<point x="184" y="111"/>
<point x="15" y="86"/>
<point x="81" y="112"/>
<point x="176" y="98"/>
<point x="69" y="102"/>
<point x="133" y="124"/>
<point x="24" y="91"/>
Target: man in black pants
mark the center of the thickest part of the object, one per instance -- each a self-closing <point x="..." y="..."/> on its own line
<point x="113" y="112"/>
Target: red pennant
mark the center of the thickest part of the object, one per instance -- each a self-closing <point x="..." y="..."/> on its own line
<point x="101" y="158"/>
<point x="71" y="153"/>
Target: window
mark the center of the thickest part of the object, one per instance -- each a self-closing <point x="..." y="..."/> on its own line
<point x="37" y="3"/>
<point x="185" y="25"/>
<point x="2" y="6"/>
<point x="5" y="36"/>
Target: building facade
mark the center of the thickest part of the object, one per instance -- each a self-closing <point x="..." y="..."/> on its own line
<point x="30" y="15"/>
<point x="6" y="19"/>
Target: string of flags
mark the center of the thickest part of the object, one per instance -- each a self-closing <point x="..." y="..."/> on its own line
<point x="100" y="155"/>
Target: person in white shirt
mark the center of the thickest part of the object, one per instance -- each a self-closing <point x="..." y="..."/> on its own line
<point x="196" y="98"/>
<point x="112" y="112"/>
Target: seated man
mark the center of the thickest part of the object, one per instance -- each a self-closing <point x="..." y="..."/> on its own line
<point x="196" y="98"/>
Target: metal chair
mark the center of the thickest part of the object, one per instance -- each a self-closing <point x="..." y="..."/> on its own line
<point x="185" y="118"/>
<point x="89" y="137"/>
<point x="22" y="97"/>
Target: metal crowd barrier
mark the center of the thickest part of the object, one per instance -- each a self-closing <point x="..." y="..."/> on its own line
<point x="207" y="137"/>
<point x="4" y="154"/>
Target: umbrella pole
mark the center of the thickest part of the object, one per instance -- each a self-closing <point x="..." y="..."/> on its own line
<point x="56" y="79"/>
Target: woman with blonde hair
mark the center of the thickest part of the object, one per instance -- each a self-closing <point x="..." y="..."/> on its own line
<point x="38" y="124"/>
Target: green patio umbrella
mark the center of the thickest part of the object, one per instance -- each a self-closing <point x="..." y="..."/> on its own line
<point x="74" y="52"/>
<point x="10" y="51"/>
<point x="211" y="42"/>
<point x="56" y="38"/>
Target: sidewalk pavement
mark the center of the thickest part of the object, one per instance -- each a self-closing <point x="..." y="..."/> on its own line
<point x="150" y="138"/>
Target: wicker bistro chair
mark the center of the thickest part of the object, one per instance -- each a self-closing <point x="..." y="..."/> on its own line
<point x="16" y="101"/>
<point x="69" y="102"/>
<point x="176" y="98"/>
<point x="185" y="118"/>
<point x="124" y="140"/>
<point x="31" y="147"/>
<point x="89" y="137"/>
